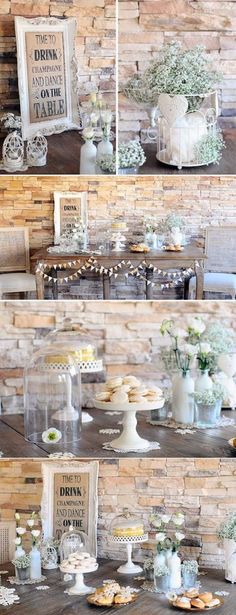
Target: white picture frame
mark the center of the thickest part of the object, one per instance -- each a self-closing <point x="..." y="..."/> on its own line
<point x="70" y="468"/>
<point x="47" y="75"/>
<point x="77" y="201"/>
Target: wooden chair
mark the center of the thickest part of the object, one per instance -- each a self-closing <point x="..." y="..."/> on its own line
<point x="15" y="276"/>
<point x="220" y="248"/>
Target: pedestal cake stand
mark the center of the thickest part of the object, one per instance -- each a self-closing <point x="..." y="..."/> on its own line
<point x="129" y="567"/>
<point x="129" y="440"/>
<point x="79" y="588"/>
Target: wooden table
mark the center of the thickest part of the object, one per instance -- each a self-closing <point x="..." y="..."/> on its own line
<point x="54" y="601"/>
<point x="192" y="256"/>
<point x="204" y="443"/>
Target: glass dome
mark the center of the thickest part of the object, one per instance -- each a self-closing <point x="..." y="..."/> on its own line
<point x="52" y="397"/>
<point x="118" y="234"/>
<point x="73" y="541"/>
<point x="79" y="343"/>
<point x="127" y="525"/>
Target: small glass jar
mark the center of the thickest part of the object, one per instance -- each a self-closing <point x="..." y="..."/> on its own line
<point x="189" y="579"/>
<point x="148" y="568"/>
<point x="161" y="583"/>
<point x="23" y="574"/>
<point x="160" y="414"/>
<point x="205" y="414"/>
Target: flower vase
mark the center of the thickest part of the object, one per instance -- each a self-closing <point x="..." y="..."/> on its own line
<point x="35" y="563"/>
<point x="182" y="399"/>
<point x="189" y="579"/>
<point x="159" y="560"/>
<point x="203" y="382"/>
<point x="176" y="236"/>
<point x="104" y="148"/>
<point x="128" y="170"/>
<point x="23" y="574"/>
<point x="230" y="560"/>
<point x="175" y="571"/>
<point x="19" y="552"/>
<point x="88" y="157"/>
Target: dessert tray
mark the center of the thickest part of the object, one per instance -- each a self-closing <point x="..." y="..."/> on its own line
<point x="91" y="600"/>
<point x="79" y="566"/>
<point x="112" y="595"/>
<point x="204" y="608"/>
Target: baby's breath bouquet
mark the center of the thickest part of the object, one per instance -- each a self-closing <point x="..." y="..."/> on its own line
<point x="228" y="528"/>
<point x="171" y="222"/>
<point x="130" y="154"/>
<point x="175" y="71"/>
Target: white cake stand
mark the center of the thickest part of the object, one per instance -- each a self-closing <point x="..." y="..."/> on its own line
<point x="79" y="588"/>
<point x="129" y="567"/>
<point x="129" y="440"/>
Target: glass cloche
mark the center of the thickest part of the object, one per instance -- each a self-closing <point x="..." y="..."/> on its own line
<point x="73" y="541"/>
<point x="79" y="342"/>
<point x="52" y="397"/>
<point x="127" y="526"/>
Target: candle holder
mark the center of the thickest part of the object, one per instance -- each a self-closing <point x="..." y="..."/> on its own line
<point x="13" y="153"/>
<point x="36" y="151"/>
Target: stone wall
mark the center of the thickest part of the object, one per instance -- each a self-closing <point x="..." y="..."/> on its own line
<point x="145" y="25"/>
<point x="203" y="489"/>
<point x="95" y="42"/>
<point x="28" y="201"/>
<point x="127" y="334"/>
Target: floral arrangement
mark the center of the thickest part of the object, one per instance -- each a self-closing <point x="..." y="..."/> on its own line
<point x="20" y="531"/>
<point x="228" y="528"/>
<point x="151" y="224"/>
<point x="209" y="149"/>
<point x="170" y="222"/>
<point x="190" y="566"/>
<point x="161" y="571"/>
<point x="160" y="522"/>
<point x="108" y="164"/>
<point x="210" y="396"/>
<point x="22" y="562"/>
<point x="195" y="342"/>
<point x="130" y="154"/>
<point x="35" y="534"/>
<point x="148" y="563"/>
<point x="175" y="71"/>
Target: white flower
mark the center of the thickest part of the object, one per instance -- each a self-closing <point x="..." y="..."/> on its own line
<point x="51" y="436"/>
<point x="178" y="519"/>
<point x="204" y="348"/>
<point x="179" y="333"/>
<point x="179" y="536"/>
<point x="17" y="516"/>
<point x="88" y="133"/>
<point x="165" y="518"/>
<point x="30" y="522"/>
<point x="196" y="325"/>
<point x="20" y="531"/>
<point x="188" y="349"/>
<point x="106" y="116"/>
<point x="35" y="533"/>
<point x="160" y="536"/>
<point x="17" y="541"/>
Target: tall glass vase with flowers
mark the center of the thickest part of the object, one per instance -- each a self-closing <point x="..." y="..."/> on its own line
<point x="35" y="556"/>
<point x="168" y="545"/>
<point x="205" y="359"/>
<point x="20" y="531"/>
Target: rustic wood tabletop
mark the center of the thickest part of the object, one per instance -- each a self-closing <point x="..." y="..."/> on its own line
<point x="59" y="603"/>
<point x="201" y="443"/>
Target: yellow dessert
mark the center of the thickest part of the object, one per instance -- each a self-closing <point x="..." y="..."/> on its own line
<point x="128" y="531"/>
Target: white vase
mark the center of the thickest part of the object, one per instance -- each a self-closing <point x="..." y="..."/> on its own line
<point x="175" y="571"/>
<point x="104" y="148"/>
<point x="159" y="559"/>
<point x="88" y="157"/>
<point x="168" y="555"/>
<point x="203" y="382"/>
<point x="182" y="399"/>
<point x="230" y="560"/>
<point x="35" y="563"/>
<point x="19" y="552"/>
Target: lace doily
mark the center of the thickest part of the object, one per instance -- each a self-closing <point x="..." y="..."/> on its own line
<point x="42" y="587"/>
<point x="109" y="431"/>
<point x="61" y="456"/>
<point x="152" y="446"/>
<point x="223" y="593"/>
<point x="223" y="421"/>
<point x="8" y="596"/>
<point x="16" y="581"/>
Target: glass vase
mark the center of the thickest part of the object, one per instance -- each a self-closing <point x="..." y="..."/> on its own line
<point x="23" y="574"/>
<point x="205" y="414"/>
<point x="175" y="571"/>
<point x="162" y="584"/>
<point x="189" y="579"/>
<point x="35" y="563"/>
<point x="88" y="158"/>
<point x="203" y="381"/>
<point x="182" y="400"/>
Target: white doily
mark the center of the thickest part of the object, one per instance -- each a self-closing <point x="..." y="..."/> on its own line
<point x="42" y="587"/>
<point x="183" y="432"/>
<point x="223" y="421"/>
<point x="16" y="581"/>
<point x="152" y="446"/>
<point x="61" y="456"/>
<point x="109" y="431"/>
<point x="223" y="593"/>
<point x="8" y="596"/>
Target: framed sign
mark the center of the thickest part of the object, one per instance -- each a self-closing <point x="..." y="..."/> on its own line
<point x="70" y="498"/>
<point x="67" y="207"/>
<point x="47" y="75"/>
